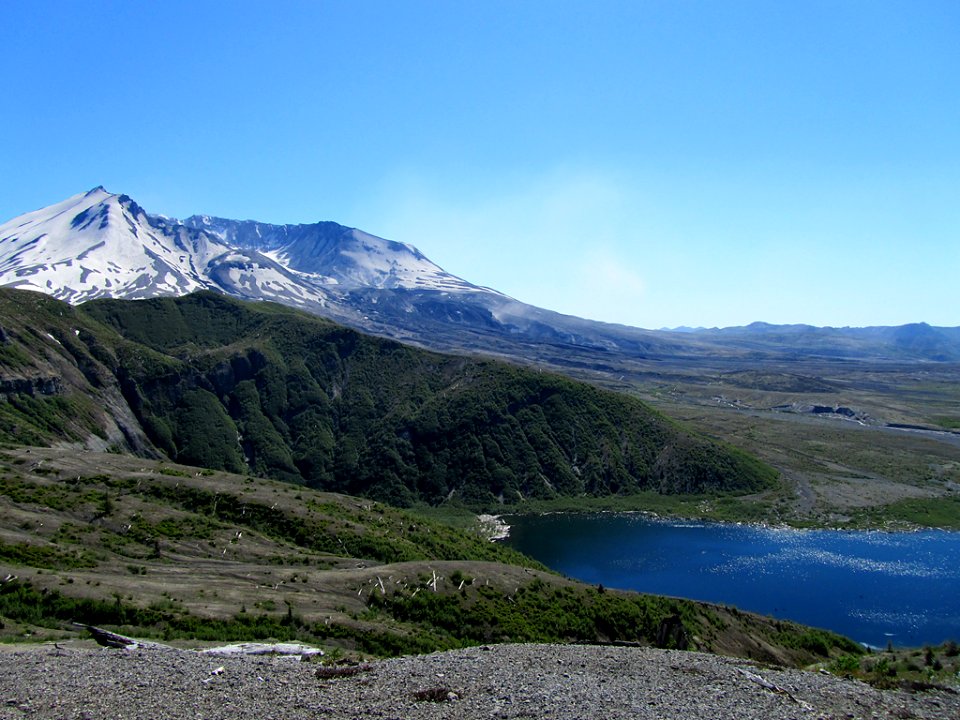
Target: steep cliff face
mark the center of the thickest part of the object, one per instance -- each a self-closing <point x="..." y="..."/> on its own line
<point x="57" y="379"/>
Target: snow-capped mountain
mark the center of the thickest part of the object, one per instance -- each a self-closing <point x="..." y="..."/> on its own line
<point x="342" y="256"/>
<point x="100" y="244"/>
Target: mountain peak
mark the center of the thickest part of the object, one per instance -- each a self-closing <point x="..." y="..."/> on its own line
<point x="100" y="244"/>
<point x="95" y="244"/>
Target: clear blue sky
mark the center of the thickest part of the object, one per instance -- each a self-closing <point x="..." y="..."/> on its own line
<point x="652" y="163"/>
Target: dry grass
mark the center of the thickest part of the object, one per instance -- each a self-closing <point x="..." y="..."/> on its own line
<point x="832" y="467"/>
<point x="216" y="575"/>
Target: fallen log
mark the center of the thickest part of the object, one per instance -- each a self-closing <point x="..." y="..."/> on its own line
<point x="253" y="648"/>
<point x="110" y="639"/>
<point x="773" y="687"/>
<point x="115" y="640"/>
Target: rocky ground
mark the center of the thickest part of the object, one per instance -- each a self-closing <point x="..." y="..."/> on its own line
<point x="507" y="681"/>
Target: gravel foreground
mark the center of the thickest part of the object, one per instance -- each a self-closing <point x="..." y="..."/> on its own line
<point x="503" y="681"/>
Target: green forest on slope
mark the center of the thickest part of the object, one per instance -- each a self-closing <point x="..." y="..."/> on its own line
<point x="260" y="388"/>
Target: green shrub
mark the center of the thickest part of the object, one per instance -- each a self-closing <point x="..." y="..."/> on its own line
<point x="845" y="665"/>
<point x="44" y="556"/>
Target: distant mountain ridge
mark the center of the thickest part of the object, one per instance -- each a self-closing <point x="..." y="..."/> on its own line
<point x="103" y="245"/>
<point x="915" y="340"/>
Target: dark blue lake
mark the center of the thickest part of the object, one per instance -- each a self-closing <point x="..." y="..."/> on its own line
<point x="874" y="587"/>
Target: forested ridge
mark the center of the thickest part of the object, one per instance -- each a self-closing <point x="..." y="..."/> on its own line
<point x="263" y="389"/>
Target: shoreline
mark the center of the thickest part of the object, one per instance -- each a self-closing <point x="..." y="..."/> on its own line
<point x="764" y="524"/>
<point x="493" y="527"/>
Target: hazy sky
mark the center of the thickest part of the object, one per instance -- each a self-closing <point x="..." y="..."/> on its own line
<point x="652" y="163"/>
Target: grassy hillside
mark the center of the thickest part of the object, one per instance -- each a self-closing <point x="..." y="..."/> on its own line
<point x="261" y="389"/>
<point x="154" y="549"/>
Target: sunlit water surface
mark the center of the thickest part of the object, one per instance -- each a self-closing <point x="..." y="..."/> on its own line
<point x="874" y="587"/>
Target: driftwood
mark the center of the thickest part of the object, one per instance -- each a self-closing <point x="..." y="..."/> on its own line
<point x="772" y="687"/>
<point x="115" y="640"/>
<point x="252" y="648"/>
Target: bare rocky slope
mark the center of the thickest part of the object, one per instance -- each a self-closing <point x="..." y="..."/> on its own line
<point x="502" y="681"/>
